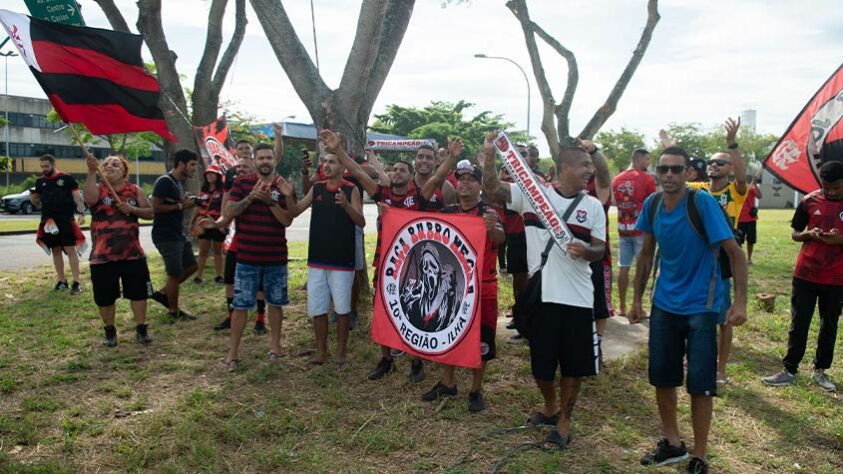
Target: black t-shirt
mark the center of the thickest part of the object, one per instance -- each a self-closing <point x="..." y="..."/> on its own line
<point x="56" y="193"/>
<point x="168" y="227"/>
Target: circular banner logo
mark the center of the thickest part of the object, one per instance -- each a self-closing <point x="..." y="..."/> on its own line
<point x="429" y="285"/>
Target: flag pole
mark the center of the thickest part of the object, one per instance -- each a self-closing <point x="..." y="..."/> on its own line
<point x="99" y="170"/>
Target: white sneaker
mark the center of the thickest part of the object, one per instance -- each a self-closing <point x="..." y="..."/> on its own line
<point x="821" y="379"/>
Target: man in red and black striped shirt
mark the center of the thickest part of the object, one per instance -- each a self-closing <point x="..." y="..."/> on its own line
<point x="258" y="204"/>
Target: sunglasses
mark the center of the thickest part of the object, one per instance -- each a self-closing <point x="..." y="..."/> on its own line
<point x="717" y="162"/>
<point x="675" y="169"/>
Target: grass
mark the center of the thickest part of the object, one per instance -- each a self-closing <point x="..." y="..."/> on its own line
<point x="69" y="405"/>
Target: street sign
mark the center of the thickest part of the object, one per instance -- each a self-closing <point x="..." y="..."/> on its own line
<point x="57" y="11"/>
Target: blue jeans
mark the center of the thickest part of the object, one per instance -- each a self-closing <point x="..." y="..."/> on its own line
<point x="672" y="337"/>
<point x="247" y="283"/>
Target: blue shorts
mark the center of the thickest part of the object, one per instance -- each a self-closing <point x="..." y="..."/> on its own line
<point x="727" y="301"/>
<point x="628" y="250"/>
<point x="247" y="283"/>
<point x="672" y="337"/>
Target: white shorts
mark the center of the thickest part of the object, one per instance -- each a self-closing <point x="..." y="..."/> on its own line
<point x="328" y="285"/>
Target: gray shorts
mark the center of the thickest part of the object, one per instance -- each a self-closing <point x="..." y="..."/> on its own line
<point x="177" y="256"/>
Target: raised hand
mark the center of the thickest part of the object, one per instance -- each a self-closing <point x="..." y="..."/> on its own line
<point x="732" y="127"/>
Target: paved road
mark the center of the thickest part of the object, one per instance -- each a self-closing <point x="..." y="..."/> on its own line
<point x="21" y="253"/>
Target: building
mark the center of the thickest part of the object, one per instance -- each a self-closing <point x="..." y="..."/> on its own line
<point x="30" y="135"/>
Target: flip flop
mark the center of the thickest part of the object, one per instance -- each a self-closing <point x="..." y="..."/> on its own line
<point x="538" y="418"/>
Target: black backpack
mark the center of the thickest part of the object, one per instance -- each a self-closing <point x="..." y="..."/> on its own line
<point x="696" y="222"/>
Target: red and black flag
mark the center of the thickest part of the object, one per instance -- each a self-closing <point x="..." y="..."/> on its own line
<point x="814" y="137"/>
<point x="91" y="76"/>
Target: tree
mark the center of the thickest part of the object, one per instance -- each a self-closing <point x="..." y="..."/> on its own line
<point x="443" y="120"/>
<point x="210" y="74"/>
<point x="381" y="25"/>
<point x="555" y="117"/>
<point x="618" y="146"/>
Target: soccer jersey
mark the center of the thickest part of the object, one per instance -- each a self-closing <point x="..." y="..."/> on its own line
<point x="819" y="262"/>
<point x="115" y="235"/>
<point x="261" y="239"/>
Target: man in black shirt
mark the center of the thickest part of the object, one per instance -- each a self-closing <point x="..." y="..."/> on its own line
<point x="168" y="203"/>
<point x="59" y="196"/>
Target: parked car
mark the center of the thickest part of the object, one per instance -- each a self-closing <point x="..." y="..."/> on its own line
<point x="14" y="203"/>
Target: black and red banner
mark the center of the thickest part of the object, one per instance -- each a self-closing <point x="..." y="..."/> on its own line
<point x="216" y="145"/>
<point x="92" y="76"/>
<point x="814" y="137"/>
<point x="428" y="291"/>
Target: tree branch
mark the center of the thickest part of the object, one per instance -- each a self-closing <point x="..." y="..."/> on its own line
<point x="563" y="110"/>
<point x="112" y="13"/>
<point x="291" y="54"/>
<point x="603" y="113"/>
<point x="231" y="50"/>
<point x="519" y="9"/>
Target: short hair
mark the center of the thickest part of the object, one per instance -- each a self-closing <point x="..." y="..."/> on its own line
<point x="675" y="150"/>
<point x="243" y="140"/>
<point x="264" y="146"/>
<point x="184" y="156"/>
<point x="831" y="171"/>
<point x="533" y="151"/>
<point x="569" y="152"/>
<point x="48" y="157"/>
<point x="639" y="152"/>
<point x="405" y="162"/>
<point x="123" y="161"/>
<point x="425" y="146"/>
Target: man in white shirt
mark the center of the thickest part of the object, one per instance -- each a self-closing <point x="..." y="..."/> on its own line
<point x="562" y="331"/>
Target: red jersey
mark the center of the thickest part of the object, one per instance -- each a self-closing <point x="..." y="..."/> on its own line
<point x="261" y="239"/>
<point x="631" y="188"/>
<point x="115" y="235"/>
<point x="746" y="211"/>
<point x="819" y="262"/>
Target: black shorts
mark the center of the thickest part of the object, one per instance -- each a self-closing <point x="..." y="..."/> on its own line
<point x="65" y="237"/>
<point x="214" y="235"/>
<point x="562" y="336"/>
<point x="598" y="279"/>
<point x="106" y="279"/>
<point x="516" y="253"/>
<point x="177" y="255"/>
<point x="749" y="232"/>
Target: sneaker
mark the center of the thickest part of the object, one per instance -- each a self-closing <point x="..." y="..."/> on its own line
<point x="219" y="280"/>
<point x="225" y="324"/>
<point x="161" y="299"/>
<point x="517" y="339"/>
<point x="260" y="327"/>
<point x="779" y="379"/>
<point x="141" y="335"/>
<point x="438" y="391"/>
<point x="475" y="401"/>
<point x="182" y="316"/>
<point x="821" y="379"/>
<point x="384" y="367"/>
<point x="665" y="454"/>
<point x="60" y="285"/>
<point x="697" y="466"/>
<point x="198" y="280"/>
<point x="110" y="336"/>
<point x="76" y="288"/>
<point x="417" y="371"/>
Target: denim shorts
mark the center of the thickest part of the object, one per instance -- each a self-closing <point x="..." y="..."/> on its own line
<point x="247" y="283"/>
<point x="328" y="285"/>
<point x="727" y="301"/>
<point x="672" y="337"/>
<point x="628" y="250"/>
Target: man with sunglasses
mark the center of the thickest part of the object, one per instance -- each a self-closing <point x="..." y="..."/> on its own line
<point x="687" y="299"/>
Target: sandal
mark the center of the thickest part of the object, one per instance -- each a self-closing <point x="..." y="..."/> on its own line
<point x="538" y="418"/>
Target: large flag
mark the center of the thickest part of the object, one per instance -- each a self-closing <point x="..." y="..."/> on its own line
<point x="216" y="144"/>
<point x="428" y="290"/>
<point x="814" y="137"/>
<point x="91" y="76"/>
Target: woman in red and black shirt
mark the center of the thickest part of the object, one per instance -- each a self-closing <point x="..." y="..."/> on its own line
<point x="117" y="255"/>
<point x="210" y="205"/>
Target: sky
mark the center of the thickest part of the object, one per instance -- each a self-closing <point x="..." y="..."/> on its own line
<point x="707" y="59"/>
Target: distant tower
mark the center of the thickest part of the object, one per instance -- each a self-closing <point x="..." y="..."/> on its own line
<point x="748" y="120"/>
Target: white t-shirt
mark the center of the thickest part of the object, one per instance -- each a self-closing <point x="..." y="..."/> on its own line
<point x="564" y="280"/>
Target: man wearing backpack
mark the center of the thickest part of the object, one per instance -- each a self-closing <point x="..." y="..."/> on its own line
<point x="690" y="228"/>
